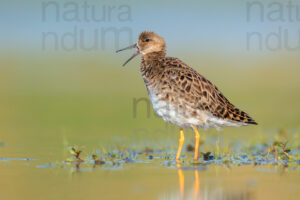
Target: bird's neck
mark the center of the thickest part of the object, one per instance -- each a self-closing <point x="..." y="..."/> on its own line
<point x="152" y="64"/>
<point x="154" y="56"/>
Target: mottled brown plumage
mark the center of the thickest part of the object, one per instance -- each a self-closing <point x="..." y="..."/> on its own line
<point x="178" y="81"/>
<point x="176" y="77"/>
<point x="179" y="94"/>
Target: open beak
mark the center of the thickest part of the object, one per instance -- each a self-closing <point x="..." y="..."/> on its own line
<point x="136" y="52"/>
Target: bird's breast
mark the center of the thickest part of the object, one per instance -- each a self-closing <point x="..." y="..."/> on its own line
<point x="170" y="111"/>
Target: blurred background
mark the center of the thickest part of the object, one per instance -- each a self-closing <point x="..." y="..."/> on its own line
<point x="62" y="82"/>
<point x="61" y="79"/>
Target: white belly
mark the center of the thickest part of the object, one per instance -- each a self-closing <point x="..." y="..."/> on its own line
<point x="171" y="113"/>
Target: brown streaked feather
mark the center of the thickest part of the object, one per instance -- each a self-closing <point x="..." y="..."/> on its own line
<point x="193" y="86"/>
<point x="171" y="82"/>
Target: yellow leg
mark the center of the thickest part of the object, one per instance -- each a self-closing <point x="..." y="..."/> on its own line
<point x="181" y="141"/>
<point x="197" y="140"/>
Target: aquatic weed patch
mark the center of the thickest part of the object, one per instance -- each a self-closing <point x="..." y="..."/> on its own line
<point x="277" y="154"/>
<point x="281" y="149"/>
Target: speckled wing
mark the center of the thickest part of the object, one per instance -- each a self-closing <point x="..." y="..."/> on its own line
<point x="195" y="89"/>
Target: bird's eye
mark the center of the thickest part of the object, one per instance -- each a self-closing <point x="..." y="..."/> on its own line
<point x="147" y="40"/>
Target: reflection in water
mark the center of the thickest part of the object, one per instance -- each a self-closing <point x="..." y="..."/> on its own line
<point x="196" y="185"/>
<point x="216" y="192"/>
<point x="181" y="182"/>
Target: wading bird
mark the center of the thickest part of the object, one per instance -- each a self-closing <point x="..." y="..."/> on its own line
<point x="180" y="95"/>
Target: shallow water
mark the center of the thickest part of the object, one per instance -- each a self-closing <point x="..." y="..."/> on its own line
<point x="149" y="175"/>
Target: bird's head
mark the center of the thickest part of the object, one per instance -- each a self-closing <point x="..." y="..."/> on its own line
<point x="149" y="42"/>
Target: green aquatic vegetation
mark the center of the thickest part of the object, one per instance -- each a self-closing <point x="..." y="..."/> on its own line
<point x="75" y="152"/>
<point x="279" y="153"/>
<point x="278" y="150"/>
<point x="97" y="161"/>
